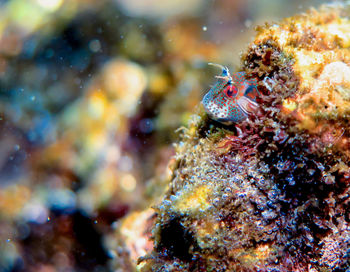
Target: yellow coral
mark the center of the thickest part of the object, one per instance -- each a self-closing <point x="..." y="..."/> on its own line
<point x="193" y="200"/>
<point x="251" y="257"/>
<point x="207" y="227"/>
<point x="314" y="47"/>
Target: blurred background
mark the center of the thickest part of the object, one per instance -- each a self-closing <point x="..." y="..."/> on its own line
<point x="92" y="93"/>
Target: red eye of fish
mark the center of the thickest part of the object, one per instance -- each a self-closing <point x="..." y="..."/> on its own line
<point x="230" y="91"/>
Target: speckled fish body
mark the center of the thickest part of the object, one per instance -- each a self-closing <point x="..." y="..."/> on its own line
<point x="231" y="98"/>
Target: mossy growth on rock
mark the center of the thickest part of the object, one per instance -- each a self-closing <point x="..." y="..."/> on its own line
<point x="270" y="193"/>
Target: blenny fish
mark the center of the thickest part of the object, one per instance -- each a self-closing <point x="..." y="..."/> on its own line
<point x="232" y="98"/>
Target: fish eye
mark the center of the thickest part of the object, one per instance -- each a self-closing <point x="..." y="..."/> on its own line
<point x="230" y="91"/>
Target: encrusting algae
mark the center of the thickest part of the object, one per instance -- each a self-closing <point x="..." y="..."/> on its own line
<point x="269" y="193"/>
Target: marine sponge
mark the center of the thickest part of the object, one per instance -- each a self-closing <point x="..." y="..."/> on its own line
<point x="272" y="192"/>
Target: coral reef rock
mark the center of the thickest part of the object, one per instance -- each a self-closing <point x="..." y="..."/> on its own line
<point x="270" y="193"/>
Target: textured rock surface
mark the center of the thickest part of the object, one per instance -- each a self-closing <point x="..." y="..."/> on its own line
<point x="272" y="192"/>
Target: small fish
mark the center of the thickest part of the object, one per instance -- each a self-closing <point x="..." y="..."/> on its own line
<point x="231" y="98"/>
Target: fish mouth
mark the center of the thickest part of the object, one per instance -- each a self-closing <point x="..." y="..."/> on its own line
<point x="226" y="120"/>
<point x="211" y="115"/>
<point x="205" y="108"/>
<point x="209" y="112"/>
